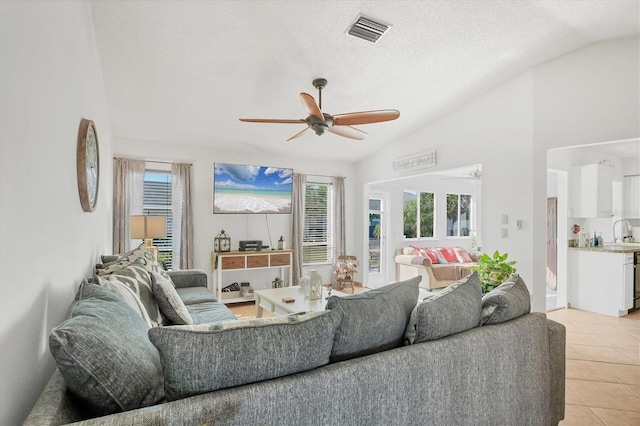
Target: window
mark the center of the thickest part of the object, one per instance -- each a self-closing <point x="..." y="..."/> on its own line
<point x="418" y="222"/>
<point x="318" y="239"/>
<point x="459" y="215"/>
<point x="157" y="202"/>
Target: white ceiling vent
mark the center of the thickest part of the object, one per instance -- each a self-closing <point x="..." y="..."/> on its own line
<point x="368" y="29"/>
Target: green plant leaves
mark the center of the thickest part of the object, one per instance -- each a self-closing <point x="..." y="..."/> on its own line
<point x="494" y="270"/>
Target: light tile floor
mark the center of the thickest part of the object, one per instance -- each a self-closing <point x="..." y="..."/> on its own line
<point x="603" y="368"/>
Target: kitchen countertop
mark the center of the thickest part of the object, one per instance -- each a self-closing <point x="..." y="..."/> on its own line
<point x="612" y="248"/>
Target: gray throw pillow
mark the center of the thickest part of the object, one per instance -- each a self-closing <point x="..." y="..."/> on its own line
<point x="453" y="310"/>
<point x="509" y="300"/>
<point x="374" y="320"/>
<point x="137" y="278"/>
<point x="140" y="254"/>
<point x="104" y="354"/>
<point x="206" y="357"/>
<point x="169" y="301"/>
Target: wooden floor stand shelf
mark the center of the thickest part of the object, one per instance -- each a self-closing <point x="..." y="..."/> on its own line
<point x="234" y="261"/>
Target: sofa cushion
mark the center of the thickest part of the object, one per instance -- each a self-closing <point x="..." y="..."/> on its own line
<point x="104" y="354"/>
<point x="210" y="312"/>
<point x="193" y="295"/>
<point x="169" y="301"/>
<point x="203" y="358"/>
<point x="462" y="255"/>
<point x="374" y="320"/>
<point x="453" y="310"/>
<point x="509" y="300"/>
<point x="136" y="276"/>
<point x="433" y="254"/>
<point x="129" y="296"/>
<point x="140" y="254"/>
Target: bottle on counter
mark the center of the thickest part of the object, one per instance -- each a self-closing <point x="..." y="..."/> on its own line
<point x="595" y="240"/>
<point x="600" y="240"/>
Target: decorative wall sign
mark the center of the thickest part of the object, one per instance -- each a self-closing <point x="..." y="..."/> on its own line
<point x="416" y="161"/>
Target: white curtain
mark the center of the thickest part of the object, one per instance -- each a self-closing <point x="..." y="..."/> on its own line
<point x="297" y="222"/>
<point x="339" y="215"/>
<point x="182" y="216"/>
<point x="128" y="193"/>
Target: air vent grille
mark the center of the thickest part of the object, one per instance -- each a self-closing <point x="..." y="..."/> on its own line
<point x="368" y="29"/>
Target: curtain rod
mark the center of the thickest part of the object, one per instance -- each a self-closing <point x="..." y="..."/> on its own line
<point x="327" y="176"/>
<point x="154" y="161"/>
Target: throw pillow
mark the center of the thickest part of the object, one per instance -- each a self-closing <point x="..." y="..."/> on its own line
<point x="449" y="254"/>
<point x="433" y="255"/>
<point x="137" y="278"/>
<point x="125" y="293"/>
<point x="141" y="254"/>
<point x="409" y="250"/>
<point x="462" y="255"/>
<point x="509" y="300"/>
<point x="374" y="320"/>
<point x="104" y="354"/>
<point x="169" y="301"/>
<point x="206" y="357"/>
<point x="453" y="310"/>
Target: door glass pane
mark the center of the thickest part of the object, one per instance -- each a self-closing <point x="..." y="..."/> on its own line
<point x="374" y="241"/>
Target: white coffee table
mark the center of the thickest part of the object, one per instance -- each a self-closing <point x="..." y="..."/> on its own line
<point x="271" y="300"/>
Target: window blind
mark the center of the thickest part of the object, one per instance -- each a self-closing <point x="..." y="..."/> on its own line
<point x="157" y="202"/>
<point x="319" y="236"/>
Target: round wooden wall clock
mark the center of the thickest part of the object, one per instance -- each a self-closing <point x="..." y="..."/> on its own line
<point x="88" y="163"/>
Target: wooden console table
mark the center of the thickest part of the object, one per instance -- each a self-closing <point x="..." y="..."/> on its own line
<point x="280" y="260"/>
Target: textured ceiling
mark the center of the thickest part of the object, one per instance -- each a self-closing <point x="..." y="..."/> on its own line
<point x="185" y="71"/>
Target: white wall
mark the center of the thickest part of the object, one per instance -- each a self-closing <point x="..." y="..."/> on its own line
<point x="588" y="96"/>
<point x="239" y="226"/>
<point x="50" y="79"/>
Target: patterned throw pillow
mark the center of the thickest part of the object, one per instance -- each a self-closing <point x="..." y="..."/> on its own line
<point x="373" y="321"/>
<point x="137" y="278"/>
<point x="433" y="255"/>
<point x="206" y="357"/>
<point x="449" y="254"/>
<point x="121" y="289"/>
<point x="169" y="301"/>
<point x="509" y="300"/>
<point x="453" y="310"/>
<point x="139" y="253"/>
<point x="104" y="354"/>
<point x="462" y="255"/>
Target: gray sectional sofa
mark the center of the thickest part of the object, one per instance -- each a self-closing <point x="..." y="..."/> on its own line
<point x="349" y="365"/>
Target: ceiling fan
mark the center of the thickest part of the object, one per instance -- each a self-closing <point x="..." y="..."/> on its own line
<point x="474" y="175"/>
<point x="339" y="124"/>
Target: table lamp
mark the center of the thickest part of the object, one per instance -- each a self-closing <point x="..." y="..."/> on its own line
<point x="148" y="228"/>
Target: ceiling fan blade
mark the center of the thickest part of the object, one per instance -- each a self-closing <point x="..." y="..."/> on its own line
<point x="311" y="106"/>
<point x="348" y="132"/>
<point x="297" y="135"/>
<point x="269" y="120"/>
<point x="365" y="117"/>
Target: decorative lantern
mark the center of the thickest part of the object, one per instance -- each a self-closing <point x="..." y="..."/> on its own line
<point x="222" y="242"/>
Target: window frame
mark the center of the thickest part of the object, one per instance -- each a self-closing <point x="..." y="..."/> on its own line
<point x="434" y="228"/>
<point x="329" y="224"/>
<point x="472" y="215"/>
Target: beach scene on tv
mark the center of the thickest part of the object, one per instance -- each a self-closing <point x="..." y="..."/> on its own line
<point x="239" y="188"/>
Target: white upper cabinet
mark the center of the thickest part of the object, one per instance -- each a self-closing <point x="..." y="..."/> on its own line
<point x="591" y="191"/>
<point x="631" y="197"/>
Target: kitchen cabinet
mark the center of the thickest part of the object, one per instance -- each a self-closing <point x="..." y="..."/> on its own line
<point x="631" y="199"/>
<point x="591" y="191"/>
<point x="600" y="281"/>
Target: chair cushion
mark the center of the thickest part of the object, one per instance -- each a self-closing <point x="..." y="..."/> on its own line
<point x="203" y="358"/>
<point x="104" y="354"/>
<point x="453" y="310"/>
<point x="509" y="300"/>
<point x="169" y="301"/>
<point x="374" y="320"/>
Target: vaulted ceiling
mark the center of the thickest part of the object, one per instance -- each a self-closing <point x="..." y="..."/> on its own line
<point x="186" y="71"/>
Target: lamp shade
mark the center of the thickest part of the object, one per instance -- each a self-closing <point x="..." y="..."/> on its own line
<point x="148" y="227"/>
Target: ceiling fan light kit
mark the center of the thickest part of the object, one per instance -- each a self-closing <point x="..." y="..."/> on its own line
<point x="339" y="124"/>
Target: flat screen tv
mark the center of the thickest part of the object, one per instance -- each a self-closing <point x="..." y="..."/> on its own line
<point x="239" y="188"/>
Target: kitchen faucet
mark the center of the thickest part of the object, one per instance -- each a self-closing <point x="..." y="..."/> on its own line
<point x="615" y="239"/>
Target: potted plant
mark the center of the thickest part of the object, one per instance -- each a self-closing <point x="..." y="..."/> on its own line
<point x="493" y="270"/>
